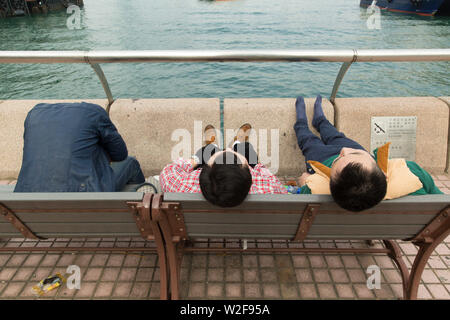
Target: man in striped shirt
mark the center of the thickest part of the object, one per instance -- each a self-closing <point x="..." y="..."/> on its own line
<point x="224" y="177"/>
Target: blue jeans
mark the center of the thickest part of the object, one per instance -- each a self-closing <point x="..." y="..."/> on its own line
<point x="126" y="172"/>
<point x="320" y="149"/>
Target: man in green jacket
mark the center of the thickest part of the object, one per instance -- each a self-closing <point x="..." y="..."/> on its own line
<point x="356" y="180"/>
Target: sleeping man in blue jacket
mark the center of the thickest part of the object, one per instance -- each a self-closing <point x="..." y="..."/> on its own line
<point x="74" y="147"/>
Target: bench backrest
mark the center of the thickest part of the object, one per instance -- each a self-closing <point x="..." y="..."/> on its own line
<point x="64" y="215"/>
<point x="279" y="216"/>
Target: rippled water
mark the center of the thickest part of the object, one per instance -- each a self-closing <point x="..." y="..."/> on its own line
<point x="239" y="24"/>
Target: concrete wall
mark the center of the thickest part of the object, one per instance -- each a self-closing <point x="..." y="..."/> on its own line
<point x="158" y="130"/>
<point x="155" y="128"/>
<point x="353" y="117"/>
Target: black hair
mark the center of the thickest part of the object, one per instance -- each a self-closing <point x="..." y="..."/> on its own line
<point x="227" y="182"/>
<point x="356" y="188"/>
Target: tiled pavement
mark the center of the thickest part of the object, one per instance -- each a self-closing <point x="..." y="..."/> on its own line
<point x="120" y="275"/>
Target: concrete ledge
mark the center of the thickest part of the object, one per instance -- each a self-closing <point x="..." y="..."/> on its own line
<point x="12" y="117"/>
<point x="269" y="114"/>
<point x="158" y="130"/>
<point x="353" y="117"/>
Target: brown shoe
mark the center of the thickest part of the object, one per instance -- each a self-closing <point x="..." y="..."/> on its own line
<point x="243" y="133"/>
<point x="209" y="134"/>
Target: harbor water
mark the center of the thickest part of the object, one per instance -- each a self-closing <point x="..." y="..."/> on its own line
<point x="238" y="24"/>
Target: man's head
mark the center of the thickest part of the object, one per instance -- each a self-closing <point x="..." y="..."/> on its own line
<point x="357" y="183"/>
<point x="226" y="180"/>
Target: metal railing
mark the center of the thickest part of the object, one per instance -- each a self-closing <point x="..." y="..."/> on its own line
<point x="347" y="57"/>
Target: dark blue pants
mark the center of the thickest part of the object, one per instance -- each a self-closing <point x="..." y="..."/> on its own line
<point x="126" y="172"/>
<point x="320" y="149"/>
<point x="244" y="148"/>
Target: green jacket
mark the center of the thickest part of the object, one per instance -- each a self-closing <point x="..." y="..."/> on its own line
<point x="427" y="181"/>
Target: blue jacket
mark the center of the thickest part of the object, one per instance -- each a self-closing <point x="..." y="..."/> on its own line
<point x="68" y="147"/>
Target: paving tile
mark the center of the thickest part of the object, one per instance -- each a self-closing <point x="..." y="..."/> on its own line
<point x="7" y="274"/>
<point x="363" y="292"/>
<point x="66" y="260"/>
<point x="428" y="276"/>
<point x="357" y="275"/>
<point x="443" y="275"/>
<point x="110" y="274"/>
<point x="233" y="290"/>
<point x="199" y="261"/>
<point x="266" y="261"/>
<point x="33" y="260"/>
<point x="216" y="274"/>
<point x="317" y="262"/>
<point x="216" y="261"/>
<point x="198" y="274"/>
<point x="300" y="261"/>
<point x="283" y="261"/>
<point x="92" y="274"/>
<point x="132" y="260"/>
<point x="308" y="291"/>
<point x="140" y="290"/>
<point x="99" y="260"/>
<point x="350" y="261"/>
<point x="127" y="274"/>
<point x="144" y="274"/>
<point x="233" y="274"/>
<point x="50" y="260"/>
<point x="286" y="275"/>
<point x="13" y="289"/>
<point x="86" y="290"/>
<point x="155" y="291"/>
<point x="116" y="260"/>
<point x="122" y="289"/>
<point x="334" y="261"/>
<point x="41" y="273"/>
<point x="392" y="276"/>
<point x="268" y="275"/>
<point x="321" y="276"/>
<point x="233" y="261"/>
<point x="16" y="260"/>
<point x="196" y="290"/>
<point x="345" y="291"/>
<point x="252" y="290"/>
<point x="289" y="291"/>
<point x="23" y="274"/>
<point x="339" y="275"/>
<point x="251" y="275"/>
<point x="442" y="249"/>
<point x="215" y="290"/>
<point x="303" y="275"/>
<point x="438" y="291"/>
<point x="148" y="260"/>
<point x="271" y="291"/>
<point x="436" y="262"/>
<point x="397" y="289"/>
<point x="385" y="292"/>
<point x="384" y="262"/>
<point x="423" y="293"/>
<point x="66" y="293"/>
<point x="82" y="260"/>
<point x="4" y="258"/>
<point x="326" y="291"/>
<point x="104" y="290"/>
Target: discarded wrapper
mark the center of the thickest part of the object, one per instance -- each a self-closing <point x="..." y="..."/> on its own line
<point x="48" y="284"/>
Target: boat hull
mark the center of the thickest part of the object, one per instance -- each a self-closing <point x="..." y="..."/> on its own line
<point x="419" y="7"/>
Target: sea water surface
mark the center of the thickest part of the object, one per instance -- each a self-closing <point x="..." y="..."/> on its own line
<point x="209" y="25"/>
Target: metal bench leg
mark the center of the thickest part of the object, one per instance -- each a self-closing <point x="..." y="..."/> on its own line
<point x="171" y="247"/>
<point x="396" y="255"/>
<point x="427" y="240"/>
<point x="425" y="251"/>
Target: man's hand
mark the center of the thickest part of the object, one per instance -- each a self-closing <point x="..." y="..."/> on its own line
<point x="302" y="179"/>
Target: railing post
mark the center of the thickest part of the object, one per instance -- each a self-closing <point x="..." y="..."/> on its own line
<point x="98" y="70"/>
<point x="345" y="66"/>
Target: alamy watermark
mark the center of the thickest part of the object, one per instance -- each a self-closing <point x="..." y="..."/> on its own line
<point x="74" y="20"/>
<point x="374" y="20"/>
<point x="374" y="280"/>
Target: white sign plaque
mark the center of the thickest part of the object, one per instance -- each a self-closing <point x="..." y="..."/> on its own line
<point x="400" y="131"/>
